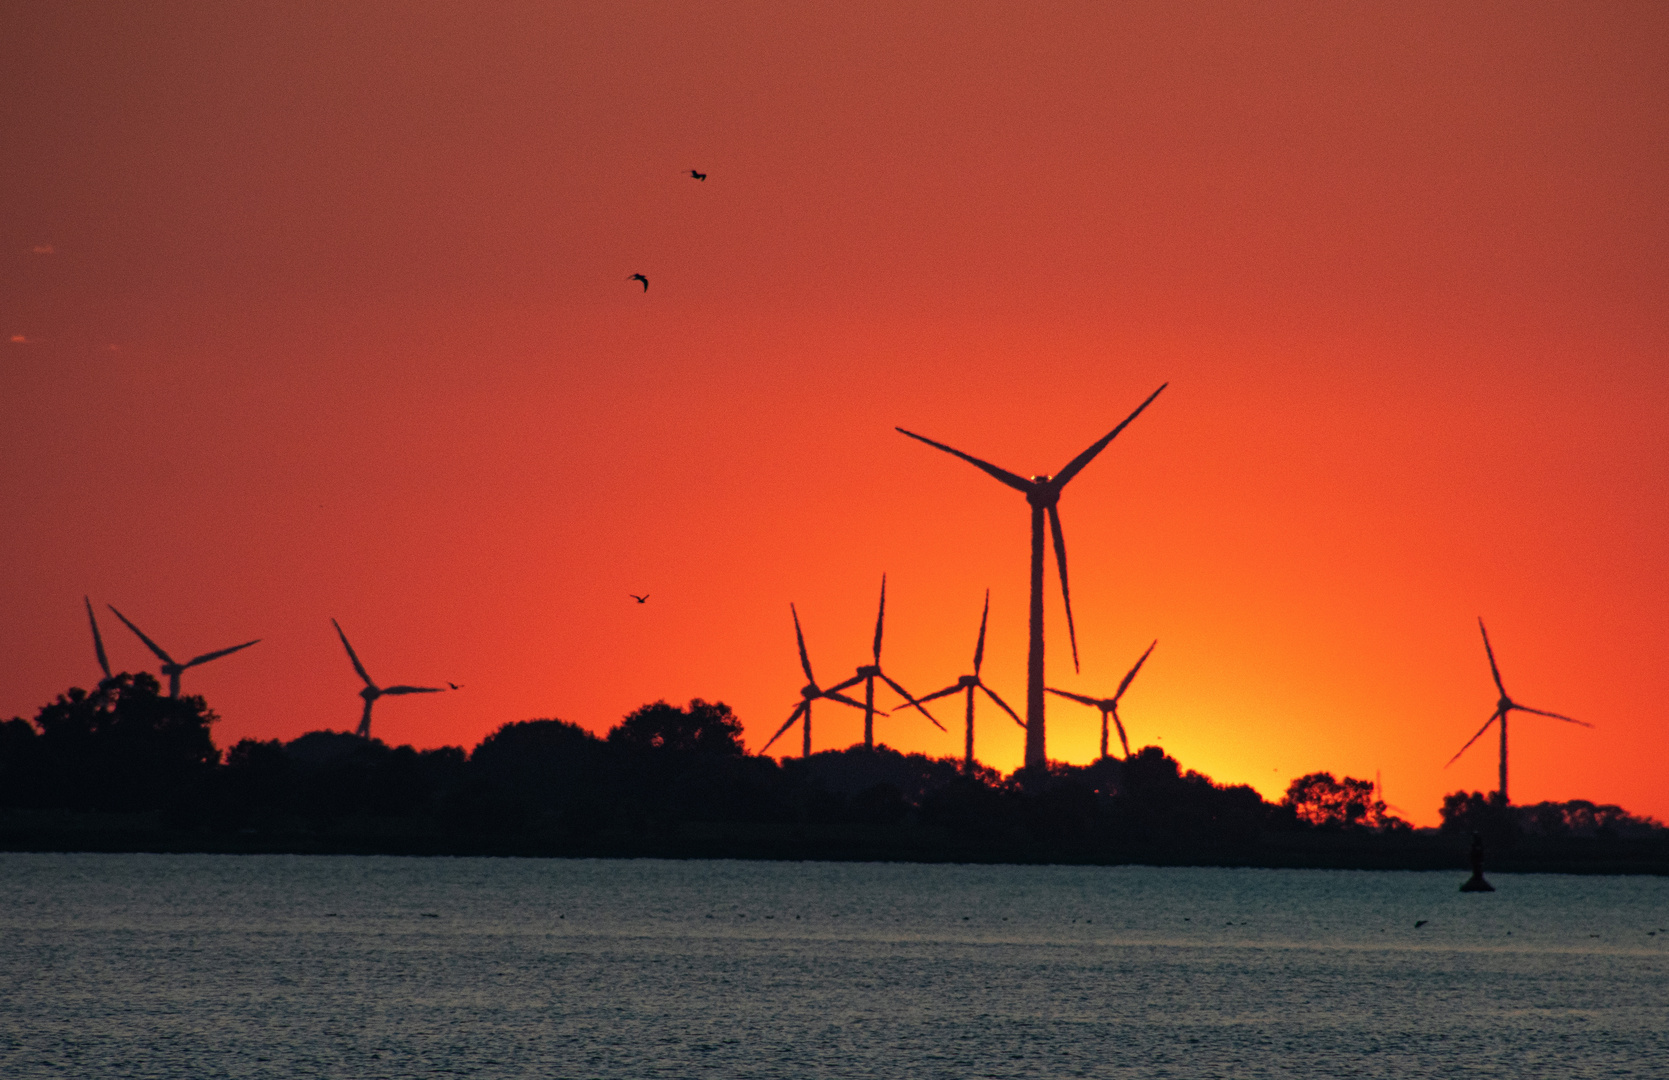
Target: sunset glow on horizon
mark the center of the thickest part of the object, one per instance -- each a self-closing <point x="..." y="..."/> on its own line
<point x="315" y="313"/>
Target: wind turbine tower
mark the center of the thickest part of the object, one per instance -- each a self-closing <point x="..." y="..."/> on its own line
<point x="1043" y="494"/>
<point x="808" y="694"/>
<point x="1109" y="706"/>
<point x="372" y="691"/>
<point x="1503" y="706"/>
<point x="968" y="684"/>
<point x="872" y="671"/>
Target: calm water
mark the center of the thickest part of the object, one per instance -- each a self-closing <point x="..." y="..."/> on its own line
<point x="280" y="966"/>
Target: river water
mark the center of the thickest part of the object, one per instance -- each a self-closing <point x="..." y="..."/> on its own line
<point x="300" y="966"/>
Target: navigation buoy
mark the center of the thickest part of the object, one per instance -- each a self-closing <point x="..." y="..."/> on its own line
<point x="1476" y="882"/>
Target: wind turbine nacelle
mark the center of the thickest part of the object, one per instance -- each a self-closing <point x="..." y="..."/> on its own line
<point x="370" y="693"/>
<point x="967" y="681"/>
<point x="809" y="691"/>
<point x="173" y="669"/>
<point x="868" y="671"/>
<point x="1043" y="494"/>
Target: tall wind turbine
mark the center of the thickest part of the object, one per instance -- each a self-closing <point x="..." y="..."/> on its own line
<point x="372" y="691"/>
<point x="1504" y="706"/>
<point x="1109" y="706"/>
<point x="171" y="668"/>
<point x="1043" y="493"/>
<point x="98" y="641"/>
<point x="969" y="683"/>
<point x="808" y="694"/>
<point x="872" y="671"/>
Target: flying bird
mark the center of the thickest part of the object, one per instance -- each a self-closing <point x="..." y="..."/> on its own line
<point x="644" y="599"/>
<point x="640" y="277"/>
<point x="698" y="175"/>
<point x="454" y="686"/>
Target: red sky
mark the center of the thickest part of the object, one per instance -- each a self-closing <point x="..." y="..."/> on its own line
<point x="335" y="322"/>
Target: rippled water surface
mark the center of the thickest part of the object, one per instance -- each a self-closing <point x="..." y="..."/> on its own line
<point x="290" y="966"/>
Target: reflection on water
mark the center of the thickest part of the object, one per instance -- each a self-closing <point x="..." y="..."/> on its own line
<point x="287" y="966"/>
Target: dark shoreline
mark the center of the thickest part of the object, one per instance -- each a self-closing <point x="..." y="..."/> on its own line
<point x="47" y="831"/>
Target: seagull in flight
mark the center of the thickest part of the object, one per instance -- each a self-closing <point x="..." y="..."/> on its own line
<point x="454" y="686"/>
<point x="644" y="599"/>
<point x="698" y="175"/>
<point x="640" y="277"/>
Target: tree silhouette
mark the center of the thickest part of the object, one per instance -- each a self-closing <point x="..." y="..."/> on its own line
<point x="1322" y="801"/>
<point x="702" y="727"/>
<point x="125" y="745"/>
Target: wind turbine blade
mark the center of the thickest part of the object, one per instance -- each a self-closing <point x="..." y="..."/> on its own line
<point x="217" y="654"/>
<point x="1125" y="685"/>
<point x="1493" y="670"/>
<point x="1556" y="716"/>
<point x="951" y="689"/>
<point x="359" y="667"/>
<point x="992" y="694"/>
<point x="98" y="642"/>
<point x="853" y="681"/>
<point x="1018" y="483"/>
<point x="149" y="644"/>
<point x="805" y="661"/>
<point x="412" y="690"/>
<point x="844" y="700"/>
<point x="1077" y="464"/>
<point x="880" y="613"/>
<point x="1473" y="739"/>
<point x="1066" y="592"/>
<point x="905" y="694"/>
<point x="1092" y="702"/>
<point x="793" y="716"/>
<point x="979" y="650"/>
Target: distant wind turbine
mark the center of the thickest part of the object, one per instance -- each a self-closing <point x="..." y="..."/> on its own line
<point x="169" y="667"/>
<point x="1043" y="493"/>
<point x="372" y="691"/>
<point x="98" y="641"/>
<point x="808" y="694"/>
<point x="969" y="683"/>
<point x="872" y="671"/>
<point x="1109" y="706"/>
<point x="1504" y="706"/>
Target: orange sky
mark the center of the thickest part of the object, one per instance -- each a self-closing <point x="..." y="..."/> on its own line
<point x="335" y="322"/>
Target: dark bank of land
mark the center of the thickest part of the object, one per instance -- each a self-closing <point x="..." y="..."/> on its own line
<point x="122" y="768"/>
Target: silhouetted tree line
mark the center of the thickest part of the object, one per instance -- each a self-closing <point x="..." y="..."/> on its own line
<point x="125" y="747"/>
<point x="1466" y="813"/>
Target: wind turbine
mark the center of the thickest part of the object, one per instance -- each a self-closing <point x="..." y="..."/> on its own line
<point x="372" y="691"/>
<point x="1504" y="706"/>
<point x="1109" y="706"/>
<point x="171" y="668"/>
<point x="969" y="683"/>
<point x="1043" y="493"/>
<point x="98" y="641"/>
<point x="808" y="694"/>
<point x="870" y="672"/>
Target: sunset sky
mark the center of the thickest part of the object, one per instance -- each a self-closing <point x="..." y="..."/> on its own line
<point x="318" y="310"/>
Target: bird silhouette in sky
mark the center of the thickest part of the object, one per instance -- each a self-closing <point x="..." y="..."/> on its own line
<point x="644" y="599"/>
<point x="698" y="175"/>
<point x="454" y="686"/>
<point x="640" y="277"/>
